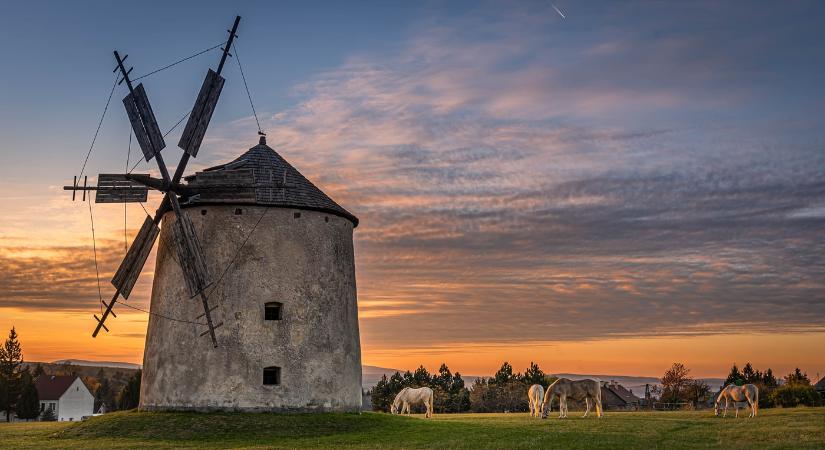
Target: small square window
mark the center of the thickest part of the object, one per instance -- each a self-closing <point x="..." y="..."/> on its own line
<point x="272" y="376"/>
<point x="296" y="215"/>
<point x="238" y="211"/>
<point x="273" y="311"/>
<point x="203" y="212"/>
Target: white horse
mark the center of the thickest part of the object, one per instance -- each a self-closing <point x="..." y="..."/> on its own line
<point x="534" y="396"/>
<point x="731" y="393"/>
<point x="409" y="396"/>
<point x="586" y="390"/>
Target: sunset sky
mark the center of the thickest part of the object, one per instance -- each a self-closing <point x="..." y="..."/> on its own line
<point x="637" y="184"/>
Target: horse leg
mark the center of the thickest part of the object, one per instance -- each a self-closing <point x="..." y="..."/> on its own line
<point x="565" y="407"/>
<point x="562" y="400"/>
<point x="586" y="406"/>
<point x="725" y="414"/>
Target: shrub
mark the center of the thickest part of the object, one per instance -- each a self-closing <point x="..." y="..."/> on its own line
<point x="791" y="395"/>
<point x="48" y="415"/>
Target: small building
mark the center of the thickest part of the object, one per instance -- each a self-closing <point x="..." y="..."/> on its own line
<point x="617" y="397"/>
<point x="66" y="395"/>
<point x="820" y="387"/>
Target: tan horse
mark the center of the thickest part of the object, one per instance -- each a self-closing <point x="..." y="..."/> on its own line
<point x="409" y="396"/>
<point x="581" y="390"/>
<point x="534" y="397"/>
<point x="732" y="393"/>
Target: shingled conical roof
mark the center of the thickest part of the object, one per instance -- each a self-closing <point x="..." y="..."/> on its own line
<point x="277" y="183"/>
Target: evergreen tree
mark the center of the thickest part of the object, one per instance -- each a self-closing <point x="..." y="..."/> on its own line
<point x="129" y="397"/>
<point x="444" y="379"/>
<point x="421" y="377"/>
<point x="459" y="395"/>
<point x="38" y="370"/>
<point x="748" y="374"/>
<point x="504" y="374"/>
<point x="11" y="358"/>
<point x="28" y="405"/>
<point x="734" y="377"/>
<point x="797" y="377"/>
<point x="103" y="393"/>
<point x="379" y="395"/>
<point x="534" y="375"/>
<point x="769" y="379"/>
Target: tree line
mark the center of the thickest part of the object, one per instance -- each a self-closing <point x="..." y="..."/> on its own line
<point x="794" y="390"/>
<point x="18" y="384"/>
<point x="504" y="391"/>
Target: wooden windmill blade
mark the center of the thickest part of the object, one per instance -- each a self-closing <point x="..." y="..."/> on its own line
<point x="118" y="188"/>
<point x="190" y="256"/>
<point x="190" y="140"/>
<point x="129" y="270"/>
<point x="144" y="123"/>
<point x="192" y="137"/>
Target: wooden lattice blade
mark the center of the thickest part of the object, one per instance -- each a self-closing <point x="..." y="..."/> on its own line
<point x="192" y="137"/>
<point x="143" y="121"/>
<point x="190" y="255"/>
<point x="129" y="270"/>
<point x="117" y="188"/>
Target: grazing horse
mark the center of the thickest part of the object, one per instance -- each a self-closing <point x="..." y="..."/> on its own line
<point x="534" y="396"/>
<point x="732" y="393"/>
<point x="409" y="396"/>
<point x="586" y="390"/>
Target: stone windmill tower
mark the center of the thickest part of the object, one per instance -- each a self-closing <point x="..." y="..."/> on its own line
<point x="289" y="339"/>
<point x="250" y="250"/>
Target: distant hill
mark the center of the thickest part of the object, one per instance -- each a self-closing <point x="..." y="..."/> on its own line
<point x="112" y="364"/>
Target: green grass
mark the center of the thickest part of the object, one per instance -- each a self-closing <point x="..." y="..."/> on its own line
<point x="775" y="428"/>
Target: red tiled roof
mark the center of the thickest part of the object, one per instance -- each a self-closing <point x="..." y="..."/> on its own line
<point x="51" y="387"/>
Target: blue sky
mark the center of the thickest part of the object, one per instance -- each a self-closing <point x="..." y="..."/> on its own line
<point x="659" y="164"/>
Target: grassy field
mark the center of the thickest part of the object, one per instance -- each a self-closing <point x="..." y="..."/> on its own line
<point x="776" y="428"/>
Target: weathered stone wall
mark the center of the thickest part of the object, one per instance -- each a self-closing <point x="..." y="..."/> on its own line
<point x="306" y="263"/>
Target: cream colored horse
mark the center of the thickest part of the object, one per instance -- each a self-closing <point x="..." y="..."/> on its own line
<point x="732" y="393"/>
<point x="581" y="390"/>
<point x="409" y="396"/>
<point x="534" y="396"/>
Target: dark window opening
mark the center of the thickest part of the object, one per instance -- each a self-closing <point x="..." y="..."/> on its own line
<point x="296" y="215"/>
<point x="203" y="212"/>
<point x="238" y="211"/>
<point x="272" y="375"/>
<point x="326" y="219"/>
<point x="273" y="311"/>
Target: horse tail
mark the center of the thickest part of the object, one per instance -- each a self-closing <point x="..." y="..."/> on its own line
<point x="756" y="403"/>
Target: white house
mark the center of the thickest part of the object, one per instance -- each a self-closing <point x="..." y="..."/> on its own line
<point x="67" y="396"/>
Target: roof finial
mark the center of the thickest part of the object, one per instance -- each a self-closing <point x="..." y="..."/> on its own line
<point x="262" y="140"/>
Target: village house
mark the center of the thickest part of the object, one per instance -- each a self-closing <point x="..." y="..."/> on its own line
<point x="67" y="396"/>
<point x="820" y="387"/>
<point x="616" y="396"/>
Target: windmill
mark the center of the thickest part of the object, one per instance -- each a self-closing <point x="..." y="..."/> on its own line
<point x="129" y="188"/>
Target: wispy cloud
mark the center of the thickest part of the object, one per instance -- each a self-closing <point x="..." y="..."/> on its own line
<point x="517" y="181"/>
